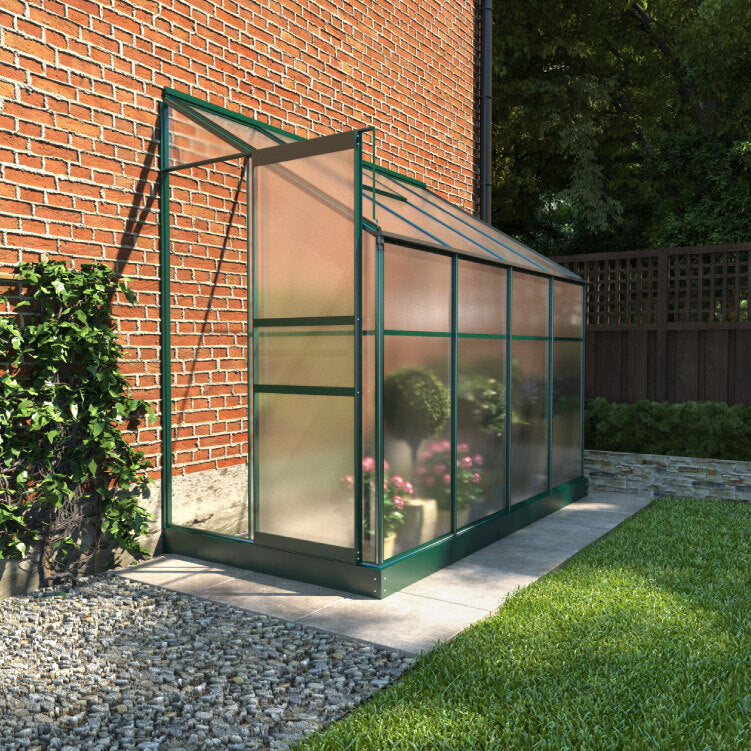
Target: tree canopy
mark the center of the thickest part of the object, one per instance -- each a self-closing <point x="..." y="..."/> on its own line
<point x="622" y="124"/>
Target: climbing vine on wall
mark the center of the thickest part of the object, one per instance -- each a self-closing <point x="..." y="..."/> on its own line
<point x="70" y="483"/>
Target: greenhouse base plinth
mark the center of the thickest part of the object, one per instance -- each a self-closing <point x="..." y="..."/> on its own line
<point x="368" y="579"/>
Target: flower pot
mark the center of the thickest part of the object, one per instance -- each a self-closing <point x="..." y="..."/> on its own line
<point x="388" y="545"/>
<point x="421" y="523"/>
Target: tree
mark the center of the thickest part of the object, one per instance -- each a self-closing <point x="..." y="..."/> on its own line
<point x="622" y="123"/>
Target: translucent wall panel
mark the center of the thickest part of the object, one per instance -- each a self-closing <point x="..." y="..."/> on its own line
<point x="481" y="414"/>
<point x="254" y="137"/>
<point x="306" y="454"/>
<point x="295" y="356"/>
<point x="368" y="398"/>
<point x="417" y="290"/>
<point x="482" y="299"/>
<point x="567" y="411"/>
<point x="567" y="309"/>
<point x="304" y="237"/>
<point x="530" y="305"/>
<point x="417" y="497"/>
<point x="191" y="142"/>
<point x="209" y="355"/>
<point x="529" y="430"/>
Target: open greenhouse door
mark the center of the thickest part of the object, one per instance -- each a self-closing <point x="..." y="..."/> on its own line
<point x="306" y="324"/>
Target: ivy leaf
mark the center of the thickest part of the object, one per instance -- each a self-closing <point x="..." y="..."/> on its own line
<point x="74" y="410"/>
<point x="92" y="467"/>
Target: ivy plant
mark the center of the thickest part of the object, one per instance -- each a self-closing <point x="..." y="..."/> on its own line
<point x="70" y="483"/>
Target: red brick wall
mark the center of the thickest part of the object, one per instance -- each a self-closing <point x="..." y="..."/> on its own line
<point x="79" y="89"/>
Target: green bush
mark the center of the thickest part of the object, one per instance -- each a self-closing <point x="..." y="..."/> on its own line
<point x="711" y="430"/>
<point x="70" y="483"/>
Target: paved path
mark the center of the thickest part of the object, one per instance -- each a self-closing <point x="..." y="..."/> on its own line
<point x="431" y="610"/>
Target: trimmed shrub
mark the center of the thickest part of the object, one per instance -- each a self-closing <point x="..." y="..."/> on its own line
<point x="710" y="430"/>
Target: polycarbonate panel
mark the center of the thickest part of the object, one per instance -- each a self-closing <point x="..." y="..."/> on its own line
<point x="209" y="353"/>
<point x="503" y="247"/>
<point x="256" y="138"/>
<point x="417" y="290"/>
<point x="368" y="281"/>
<point x="482" y="298"/>
<point x="390" y="221"/>
<point x="369" y="501"/>
<point x="417" y="450"/>
<point x="305" y="448"/>
<point x="191" y="142"/>
<point x="304" y="243"/>
<point x="567" y="309"/>
<point x="529" y="307"/>
<point x="567" y="411"/>
<point x="529" y="429"/>
<point x="298" y="356"/>
<point x="481" y="429"/>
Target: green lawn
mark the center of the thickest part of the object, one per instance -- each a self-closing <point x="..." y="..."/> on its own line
<point x="642" y="641"/>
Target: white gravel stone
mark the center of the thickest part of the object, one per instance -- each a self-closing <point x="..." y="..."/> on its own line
<point x="116" y="664"/>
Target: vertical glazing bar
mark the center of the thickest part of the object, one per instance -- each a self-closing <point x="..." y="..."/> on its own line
<point x="379" y="402"/>
<point x="373" y="204"/>
<point x="550" y="383"/>
<point x="249" y="342"/>
<point x="358" y="490"/>
<point x="254" y="244"/>
<point x="509" y="421"/>
<point x="454" y="379"/>
<point x="583" y="365"/>
<point x="164" y="303"/>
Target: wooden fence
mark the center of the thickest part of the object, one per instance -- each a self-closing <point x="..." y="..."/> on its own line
<point x="668" y="325"/>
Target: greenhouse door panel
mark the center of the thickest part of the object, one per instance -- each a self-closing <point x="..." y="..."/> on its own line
<point x="305" y="210"/>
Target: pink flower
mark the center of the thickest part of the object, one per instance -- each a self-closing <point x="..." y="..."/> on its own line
<point x="398" y="482"/>
<point x="398" y="502"/>
<point x="386" y="465"/>
<point x="440" y="468"/>
<point x="368" y="464"/>
<point x="425" y="454"/>
<point x="447" y="479"/>
<point x="465" y="462"/>
<point x="478" y="460"/>
<point x="422" y="471"/>
<point x="462" y="448"/>
<point x="385" y="484"/>
<point x="444" y="445"/>
<point x="476" y="478"/>
<point x="348" y="481"/>
<point x="409" y="488"/>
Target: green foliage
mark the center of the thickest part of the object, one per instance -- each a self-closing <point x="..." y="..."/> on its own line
<point x="712" y="430"/>
<point x="416" y="405"/>
<point x="640" y="642"/>
<point x="621" y="124"/>
<point x="64" y="462"/>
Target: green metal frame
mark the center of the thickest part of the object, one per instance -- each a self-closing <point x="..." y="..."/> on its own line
<point x="330" y="565"/>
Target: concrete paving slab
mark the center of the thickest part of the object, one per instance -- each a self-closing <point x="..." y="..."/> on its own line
<point x="402" y="621"/>
<point x="271" y="595"/>
<point x="431" y="610"/>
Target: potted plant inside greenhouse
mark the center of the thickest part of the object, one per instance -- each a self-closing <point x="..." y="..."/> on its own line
<point x="414" y="375"/>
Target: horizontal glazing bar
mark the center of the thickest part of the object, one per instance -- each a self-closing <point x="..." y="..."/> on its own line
<point x="391" y="173"/>
<point x="481" y="336"/>
<point x="531" y="338"/>
<point x="203" y="162"/>
<point x="305" y="321"/>
<point x="380" y="192"/>
<point x="303" y="332"/>
<point x="567" y="339"/>
<point x="399" y="332"/>
<point x="304" y="390"/>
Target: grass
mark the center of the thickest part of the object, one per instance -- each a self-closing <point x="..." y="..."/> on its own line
<point x="642" y="641"/>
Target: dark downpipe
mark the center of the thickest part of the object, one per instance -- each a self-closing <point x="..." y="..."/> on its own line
<point x="486" y="109"/>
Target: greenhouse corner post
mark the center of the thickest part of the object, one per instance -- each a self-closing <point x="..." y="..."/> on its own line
<point x="379" y="449"/>
<point x="453" y="387"/>
<point x="583" y="365"/>
<point x="507" y="427"/>
<point x="358" y="490"/>
<point x="551" y="344"/>
<point x="164" y="271"/>
<point x="250" y="348"/>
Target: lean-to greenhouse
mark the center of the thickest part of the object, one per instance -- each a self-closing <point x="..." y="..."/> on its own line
<point x="379" y="383"/>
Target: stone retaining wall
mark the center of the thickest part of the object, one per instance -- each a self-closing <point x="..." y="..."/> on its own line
<point x="659" y="475"/>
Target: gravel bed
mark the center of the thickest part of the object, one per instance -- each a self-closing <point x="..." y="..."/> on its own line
<point x="116" y="664"/>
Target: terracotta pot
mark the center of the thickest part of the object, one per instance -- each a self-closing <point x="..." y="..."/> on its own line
<point x="388" y="545"/>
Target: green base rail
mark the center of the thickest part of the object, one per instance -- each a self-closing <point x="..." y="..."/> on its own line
<point x="368" y="579"/>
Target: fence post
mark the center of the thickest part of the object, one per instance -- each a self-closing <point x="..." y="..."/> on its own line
<point x="661" y="345"/>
